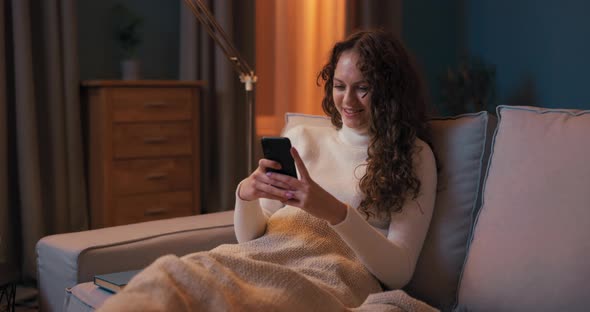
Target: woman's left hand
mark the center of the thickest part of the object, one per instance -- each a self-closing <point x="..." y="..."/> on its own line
<point x="309" y="196"/>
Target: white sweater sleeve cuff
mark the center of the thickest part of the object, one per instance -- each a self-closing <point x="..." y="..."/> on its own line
<point x="245" y="204"/>
<point x="249" y="220"/>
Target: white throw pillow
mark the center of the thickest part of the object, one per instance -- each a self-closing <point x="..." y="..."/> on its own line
<point x="531" y="243"/>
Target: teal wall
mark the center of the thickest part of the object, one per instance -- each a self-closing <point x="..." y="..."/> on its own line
<point x="434" y="32"/>
<point x="99" y="54"/>
<point x="540" y="48"/>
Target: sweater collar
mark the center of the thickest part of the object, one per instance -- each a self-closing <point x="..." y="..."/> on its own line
<point x="354" y="137"/>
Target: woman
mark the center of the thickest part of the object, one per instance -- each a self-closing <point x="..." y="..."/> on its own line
<point x="355" y="219"/>
<point x="375" y="101"/>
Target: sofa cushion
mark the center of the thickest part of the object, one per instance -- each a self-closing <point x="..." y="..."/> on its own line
<point x="461" y="145"/>
<point x="530" y="245"/>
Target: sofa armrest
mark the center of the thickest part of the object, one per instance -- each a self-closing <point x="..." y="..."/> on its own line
<point x="65" y="260"/>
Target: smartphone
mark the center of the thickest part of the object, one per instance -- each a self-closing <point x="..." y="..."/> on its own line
<point x="279" y="150"/>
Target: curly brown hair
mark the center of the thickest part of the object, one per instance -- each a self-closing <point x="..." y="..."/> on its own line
<point x="398" y="110"/>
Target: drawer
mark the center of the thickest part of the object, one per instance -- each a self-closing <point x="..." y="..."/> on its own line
<point x="151" y="104"/>
<point x="152" y="175"/>
<point x="148" y="207"/>
<point x="152" y="139"/>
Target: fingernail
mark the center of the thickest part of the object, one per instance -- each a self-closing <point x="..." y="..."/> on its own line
<point x="268" y="174"/>
<point x="289" y="195"/>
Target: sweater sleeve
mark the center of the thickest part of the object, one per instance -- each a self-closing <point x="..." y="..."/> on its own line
<point x="250" y="216"/>
<point x="392" y="259"/>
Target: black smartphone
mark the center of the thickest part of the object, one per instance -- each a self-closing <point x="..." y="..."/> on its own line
<point x="279" y="150"/>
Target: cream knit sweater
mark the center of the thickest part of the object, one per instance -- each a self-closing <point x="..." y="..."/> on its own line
<point x="334" y="159"/>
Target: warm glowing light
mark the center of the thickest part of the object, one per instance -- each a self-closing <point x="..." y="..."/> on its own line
<point x="293" y="39"/>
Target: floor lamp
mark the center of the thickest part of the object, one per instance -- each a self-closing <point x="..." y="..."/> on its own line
<point x="245" y="73"/>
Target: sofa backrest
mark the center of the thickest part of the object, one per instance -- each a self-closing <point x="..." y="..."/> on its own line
<point x="461" y="145"/>
<point x="531" y="242"/>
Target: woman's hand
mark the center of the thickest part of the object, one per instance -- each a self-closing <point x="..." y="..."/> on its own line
<point x="308" y="195"/>
<point x="260" y="185"/>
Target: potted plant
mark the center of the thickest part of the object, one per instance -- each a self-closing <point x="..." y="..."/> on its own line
<point x="471" y="87"/>
<point x="127" y="33"/>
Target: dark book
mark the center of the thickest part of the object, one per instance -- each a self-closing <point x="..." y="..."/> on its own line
<point x="114" y="282"/>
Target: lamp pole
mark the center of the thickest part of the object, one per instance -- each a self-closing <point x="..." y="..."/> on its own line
<point x="245" y="72"/>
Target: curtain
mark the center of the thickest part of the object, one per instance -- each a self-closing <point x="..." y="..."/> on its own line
<point x="223" y="102"/>
<point x="293" y="42"/>
<point x="42" y="180"/>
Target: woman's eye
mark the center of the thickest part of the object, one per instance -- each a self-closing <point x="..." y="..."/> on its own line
<point x="339" y="87"/>
<point x="363" y="89"/>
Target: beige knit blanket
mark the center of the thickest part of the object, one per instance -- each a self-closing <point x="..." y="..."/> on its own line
<point x="300" y="264"/>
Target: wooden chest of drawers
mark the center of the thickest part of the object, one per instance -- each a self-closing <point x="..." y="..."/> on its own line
<point x="143" y="150"/>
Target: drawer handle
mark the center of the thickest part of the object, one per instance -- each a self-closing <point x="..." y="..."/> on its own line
<point x="155" y="140"/>
<point x="154" y="211"/>
<point x="155" y="104"/>
<point x="156" y="176"/>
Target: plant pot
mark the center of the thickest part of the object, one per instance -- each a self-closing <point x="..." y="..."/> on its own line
<point x="130" y="69"/>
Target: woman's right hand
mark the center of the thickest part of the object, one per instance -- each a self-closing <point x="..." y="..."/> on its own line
<point x="258" y="184"/>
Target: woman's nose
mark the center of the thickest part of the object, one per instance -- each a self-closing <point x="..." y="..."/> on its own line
<point x="349" y="97"/>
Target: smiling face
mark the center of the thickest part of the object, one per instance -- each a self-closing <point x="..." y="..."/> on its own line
<point x="351" y="92"/>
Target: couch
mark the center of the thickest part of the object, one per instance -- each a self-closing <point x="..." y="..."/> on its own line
<point x="510" y="229"/>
